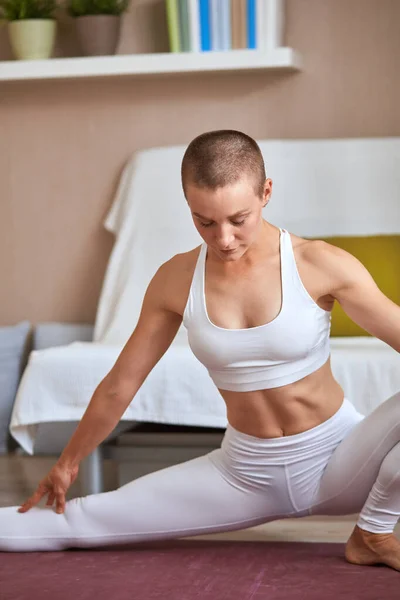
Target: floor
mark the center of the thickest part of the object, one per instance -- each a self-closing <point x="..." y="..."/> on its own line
<point x="20" y="475"/>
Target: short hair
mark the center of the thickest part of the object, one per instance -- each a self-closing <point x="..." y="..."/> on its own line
<point x="219" y="158"/>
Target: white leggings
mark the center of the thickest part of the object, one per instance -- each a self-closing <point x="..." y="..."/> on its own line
<point x="348" y="464"/>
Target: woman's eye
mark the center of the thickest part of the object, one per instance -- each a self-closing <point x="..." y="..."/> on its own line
<point x="237" y="223"/>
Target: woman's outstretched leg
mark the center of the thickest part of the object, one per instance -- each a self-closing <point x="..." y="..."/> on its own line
<point x="363" y="476"/>
<point x="191" y="498"/>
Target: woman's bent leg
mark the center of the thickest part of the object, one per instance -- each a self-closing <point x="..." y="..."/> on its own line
<point x="363" y="474"/>
<point x="191" y="498"/>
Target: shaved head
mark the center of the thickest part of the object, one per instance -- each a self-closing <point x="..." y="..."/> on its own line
<point x="221" y="158"/>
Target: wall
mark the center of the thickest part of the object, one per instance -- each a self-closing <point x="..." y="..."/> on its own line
<point x="63" y="143"/>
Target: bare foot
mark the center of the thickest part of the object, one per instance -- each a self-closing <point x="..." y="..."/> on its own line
<point x="366" y="548"/>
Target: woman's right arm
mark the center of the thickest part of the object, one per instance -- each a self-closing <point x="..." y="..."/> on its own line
<point x="155" y="331"/>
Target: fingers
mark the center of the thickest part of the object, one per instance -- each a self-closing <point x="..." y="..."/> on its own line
<point x="50" y="499"/>
<point x="33" y="500"/>
<point x="53" y="485"/>
<point x="60" y="507"/>
<point x="54" y="495"/>
<point x="60" y="502"/>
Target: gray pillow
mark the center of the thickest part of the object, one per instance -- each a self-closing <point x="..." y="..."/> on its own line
<point x="13" y="342"/>
<point x="47" y="335"/>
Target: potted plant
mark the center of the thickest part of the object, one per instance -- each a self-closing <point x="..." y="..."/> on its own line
<point x="98" y="24"/>
<point x="31" y="27"/>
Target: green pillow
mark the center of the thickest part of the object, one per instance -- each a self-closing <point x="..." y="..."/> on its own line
<point x="380" y="255"/>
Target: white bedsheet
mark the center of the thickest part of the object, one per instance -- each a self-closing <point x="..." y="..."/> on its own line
<point x="58" y="383"/>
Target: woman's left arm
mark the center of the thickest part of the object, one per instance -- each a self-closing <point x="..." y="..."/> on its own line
<point x="353" y="287"/>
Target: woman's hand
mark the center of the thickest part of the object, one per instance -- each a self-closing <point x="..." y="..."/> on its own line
<point x="55" y="484"/>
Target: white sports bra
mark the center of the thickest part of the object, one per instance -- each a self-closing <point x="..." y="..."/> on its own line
<point x="293" y="345"/>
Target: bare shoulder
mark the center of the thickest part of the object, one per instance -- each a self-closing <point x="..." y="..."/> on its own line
<point x="322" y="254"/>
<point x="173" y="279"/>
<point x="335" y="266"/>
<point x="180" y="266"/>
<point x="316" y="251"/>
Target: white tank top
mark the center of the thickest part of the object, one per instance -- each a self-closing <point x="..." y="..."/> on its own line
<point x="293" y="345"/>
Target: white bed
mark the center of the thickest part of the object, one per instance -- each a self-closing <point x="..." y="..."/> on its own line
<point x="321" y="188"/>
<point x="58" y="383"/>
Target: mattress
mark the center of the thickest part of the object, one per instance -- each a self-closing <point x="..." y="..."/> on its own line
<point x="58" y="383"/>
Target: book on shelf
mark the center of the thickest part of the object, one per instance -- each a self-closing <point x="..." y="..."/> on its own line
<point x="216" y="25"/>
<point x="172" y="11"/>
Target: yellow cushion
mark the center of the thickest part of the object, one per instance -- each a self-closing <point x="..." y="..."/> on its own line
<point x="381" y="257"/>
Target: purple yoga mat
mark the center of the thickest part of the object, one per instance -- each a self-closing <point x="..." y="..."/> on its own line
<point x="196" y="570"/>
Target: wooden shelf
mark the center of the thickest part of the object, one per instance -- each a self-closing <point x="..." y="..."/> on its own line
<point x="150" y="64"/>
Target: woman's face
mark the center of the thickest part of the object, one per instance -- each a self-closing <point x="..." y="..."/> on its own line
<point x="229" y="218"/>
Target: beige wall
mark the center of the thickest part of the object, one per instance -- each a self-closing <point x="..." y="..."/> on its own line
<point x="63" y="143"/>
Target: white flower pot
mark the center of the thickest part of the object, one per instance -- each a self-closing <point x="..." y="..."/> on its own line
<point x="32" y="39"/>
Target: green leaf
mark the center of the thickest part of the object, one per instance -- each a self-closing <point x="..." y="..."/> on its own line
<point x="81" y="8"/>
<point x="16" y="10"/>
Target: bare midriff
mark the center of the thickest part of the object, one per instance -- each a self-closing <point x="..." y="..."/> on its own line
<point x="285" y="410"/>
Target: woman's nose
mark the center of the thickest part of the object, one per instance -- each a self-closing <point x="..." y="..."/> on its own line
<point x="225" y="238"/>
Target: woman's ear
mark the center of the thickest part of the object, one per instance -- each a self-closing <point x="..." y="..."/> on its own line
<point x="267" y="191"/>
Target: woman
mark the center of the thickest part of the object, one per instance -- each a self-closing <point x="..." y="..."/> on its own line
<point x="256" y="302"/>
